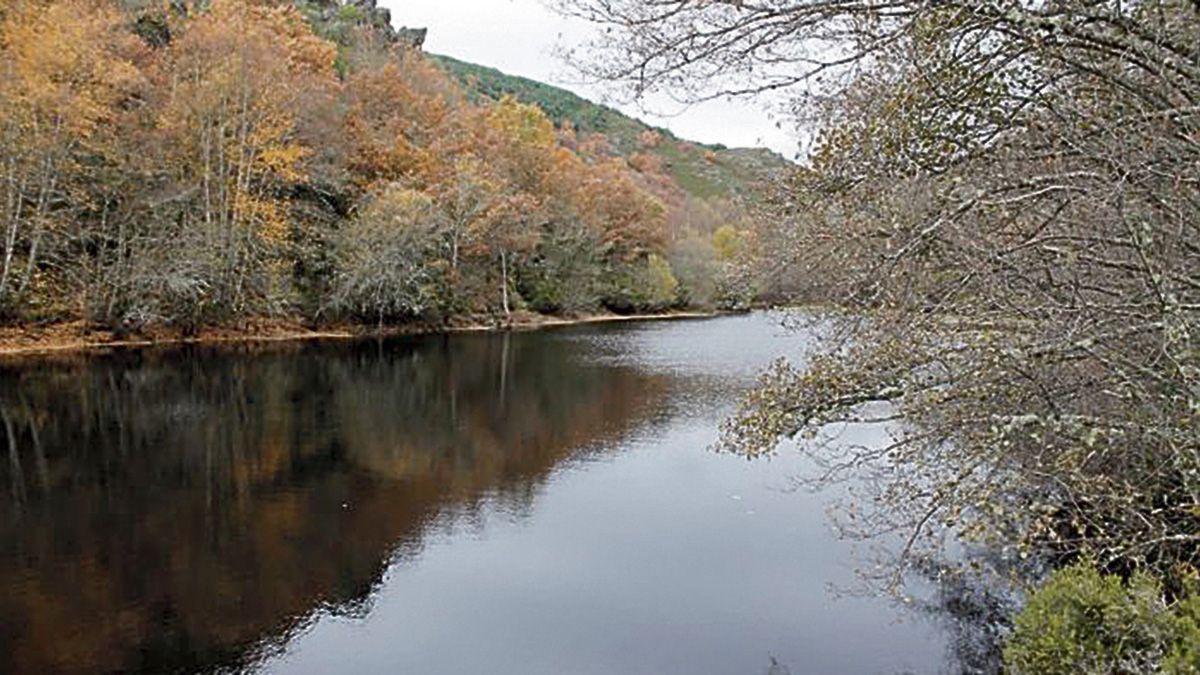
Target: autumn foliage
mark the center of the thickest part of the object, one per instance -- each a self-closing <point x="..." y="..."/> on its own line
<point x="188" y="164"/>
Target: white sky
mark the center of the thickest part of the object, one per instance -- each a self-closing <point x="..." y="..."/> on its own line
<point x="519" y="36"/>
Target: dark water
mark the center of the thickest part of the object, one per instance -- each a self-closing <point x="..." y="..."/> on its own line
<point x="535" y="504"/>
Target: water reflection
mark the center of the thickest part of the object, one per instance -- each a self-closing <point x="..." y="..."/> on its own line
<point x="181" y="511"/>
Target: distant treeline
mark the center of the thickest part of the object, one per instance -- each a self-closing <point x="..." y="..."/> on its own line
<point x="191" y="164"/>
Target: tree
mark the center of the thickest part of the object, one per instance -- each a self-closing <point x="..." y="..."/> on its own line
<point x="521" y="146"/>
<point x="401" y="120"/>
<point x="510" y="229"/>
<point x="727" y="242"/>
<point x="1005" y="196"/>
<point x="467" y="194"/>
<point x="233" y="85"/>
<point x="67" y="64"/>
<point x="631" y="221"/>
<point x="388" y="258"/>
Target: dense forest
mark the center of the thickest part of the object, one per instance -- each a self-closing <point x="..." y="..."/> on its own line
<point x="188" y="164"/>
<point x="1001" y="212"/>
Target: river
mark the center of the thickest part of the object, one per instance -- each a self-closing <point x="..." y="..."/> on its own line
<point x="531" y="503"/>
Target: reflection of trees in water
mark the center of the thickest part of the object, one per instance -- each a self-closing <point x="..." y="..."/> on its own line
<point x="973" y="601"/>
<point x="170" y="511"/>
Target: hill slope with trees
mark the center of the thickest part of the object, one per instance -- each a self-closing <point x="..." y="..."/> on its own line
<point x="703" y="170"/>
<point x="188" y="165"/>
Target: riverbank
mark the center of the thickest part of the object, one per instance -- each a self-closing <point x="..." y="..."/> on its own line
<point x="78" y="336"/>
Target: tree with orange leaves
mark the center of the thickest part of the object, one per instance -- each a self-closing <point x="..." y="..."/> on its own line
<point x="631" y="220"/>
<point x="395" y="114"/>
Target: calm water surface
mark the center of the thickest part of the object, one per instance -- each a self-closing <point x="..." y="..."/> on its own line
<point x="540" y="503"/>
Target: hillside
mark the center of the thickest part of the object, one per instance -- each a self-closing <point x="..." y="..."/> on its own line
<point x="704" y="171"/>
<point x="370" y="187"/>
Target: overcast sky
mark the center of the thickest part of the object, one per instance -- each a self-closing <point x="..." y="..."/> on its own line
<point x="519" y="36"/>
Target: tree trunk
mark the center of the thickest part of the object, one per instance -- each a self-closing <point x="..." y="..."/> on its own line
<point x="504" y="282"/>
<point x="39" y="228"/>
<point x="16" y="195"/>
<point x="10" y="243"/>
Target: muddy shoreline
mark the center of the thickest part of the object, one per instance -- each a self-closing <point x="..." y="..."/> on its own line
<point x="32" y="341"/>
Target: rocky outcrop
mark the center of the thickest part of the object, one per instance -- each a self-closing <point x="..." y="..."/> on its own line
<point x="339" y="15"/>
<point x="413" y="37"/>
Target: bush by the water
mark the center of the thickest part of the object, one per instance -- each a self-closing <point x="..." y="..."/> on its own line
<point x="1082" y="621"/>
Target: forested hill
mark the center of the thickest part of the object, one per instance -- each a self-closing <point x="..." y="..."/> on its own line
<point x="702" y="170"/>
<point x="193" y="165"/>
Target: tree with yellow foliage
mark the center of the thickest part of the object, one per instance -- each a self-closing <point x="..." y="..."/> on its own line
<point x="233" y="85"/>
<point x="64" y="66"/>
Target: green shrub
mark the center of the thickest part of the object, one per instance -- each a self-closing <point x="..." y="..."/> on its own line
<point x="1081" y="621"/>
<point x="695" y="266"/>
<point x="640" y="286"/>
<point x="563" y="277"/>
<point x="662" y="290"/>
<point x="350" y="14"/>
